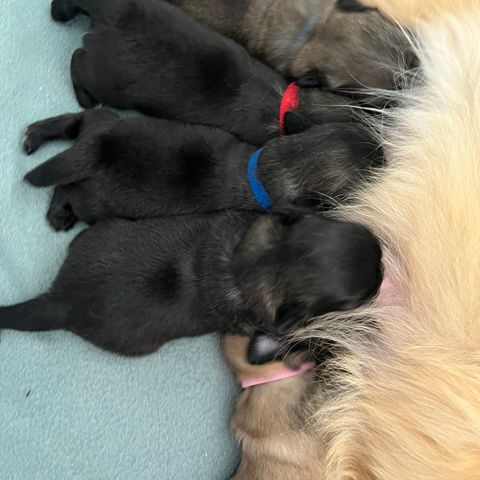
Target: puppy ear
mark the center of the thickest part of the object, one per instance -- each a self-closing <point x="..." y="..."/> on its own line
<point x="263" y="349"/>
<point x="352" y="6"/>
<point x="294" y="123"/>
<point x="313" y="78"/>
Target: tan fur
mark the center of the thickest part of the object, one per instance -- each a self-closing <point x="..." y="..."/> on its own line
<point x="359" y="49"/>
<point x="270" y="423"/>
<point x="349" y="48"/>
<point x="408" y="402"/>
<point x="410" y="12"/>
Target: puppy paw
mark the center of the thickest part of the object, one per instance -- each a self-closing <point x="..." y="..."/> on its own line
<point x="61" y="217"/>
<point x="32" y="140"/>
<point x="61" y="11"/>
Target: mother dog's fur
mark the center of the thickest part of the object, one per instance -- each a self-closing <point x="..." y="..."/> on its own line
<point x="409" y="12"/>
<point x="406" y="403"/>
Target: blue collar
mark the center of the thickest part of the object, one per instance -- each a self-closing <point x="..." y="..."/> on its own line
<point x="256" y="186"/>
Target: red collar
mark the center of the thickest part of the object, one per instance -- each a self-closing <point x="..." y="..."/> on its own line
<point x="290" y="101"/>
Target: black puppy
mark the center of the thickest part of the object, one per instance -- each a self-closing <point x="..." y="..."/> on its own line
<point x="141" y="167"/>
<point x="150" y="56"/>
<point x="129" y="287"/>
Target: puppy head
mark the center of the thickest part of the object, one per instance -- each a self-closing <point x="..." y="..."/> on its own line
<point x="353" y="46"/>
<point x="293" y="266"/>
<point x="335" y="159"/>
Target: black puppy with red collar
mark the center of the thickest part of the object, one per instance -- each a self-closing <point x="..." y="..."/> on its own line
<point x="152" y="57"/>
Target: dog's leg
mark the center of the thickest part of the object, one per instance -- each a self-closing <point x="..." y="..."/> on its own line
<point x="68" y="127"/>
<point x="60" y="213"/>
<point x="75" y="163"/>
<point x="69" y="166"/>
<point x="62" y="127"/>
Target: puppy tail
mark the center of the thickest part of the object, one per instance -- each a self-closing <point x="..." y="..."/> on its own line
<point x="36" y="315"/>
<point x="66" y="167"/>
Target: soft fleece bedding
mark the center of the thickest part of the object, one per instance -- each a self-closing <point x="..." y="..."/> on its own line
<point x="68" y="410"/>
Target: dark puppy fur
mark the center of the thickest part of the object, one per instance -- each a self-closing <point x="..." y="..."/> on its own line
<point x="328" y="43"/>
<point x="141" y="167"/>
<point x="129" y="287"/>
<point x="151" y="56"/>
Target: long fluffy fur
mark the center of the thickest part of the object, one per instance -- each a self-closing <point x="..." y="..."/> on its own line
<point x="409" y="12"/>
<point x="405" y="397"/>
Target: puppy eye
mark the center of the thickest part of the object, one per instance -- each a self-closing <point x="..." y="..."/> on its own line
<point x="352" y="6"/>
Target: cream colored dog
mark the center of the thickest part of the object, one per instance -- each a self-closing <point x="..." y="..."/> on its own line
<point x="407" y="401"/>
<point x="410" y="12"/>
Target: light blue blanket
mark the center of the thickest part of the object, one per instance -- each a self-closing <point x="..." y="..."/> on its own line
<point x="68" y="410"/>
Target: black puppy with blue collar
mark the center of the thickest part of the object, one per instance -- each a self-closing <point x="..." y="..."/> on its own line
<point x="140" y="167"/>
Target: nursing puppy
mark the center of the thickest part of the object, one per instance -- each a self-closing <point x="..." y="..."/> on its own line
<point x="152" y="57"/>
<point x="141" y="167"/>
<point x="271" y="418"/>
<point x="404" y="403"/>
<point x="328" y="43"/>
<point x="129" y="287"/>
